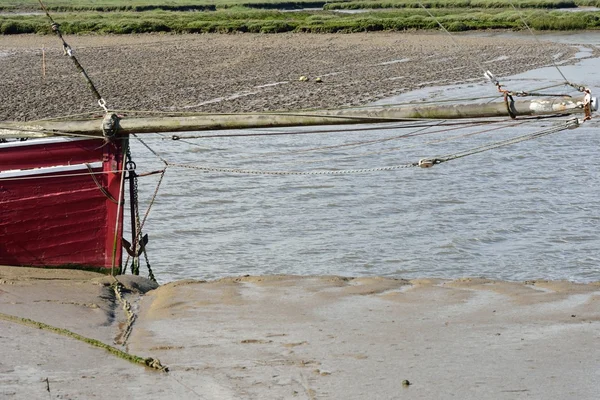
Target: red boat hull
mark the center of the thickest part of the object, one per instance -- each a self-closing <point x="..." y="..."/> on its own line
<point x="53" y="213"/>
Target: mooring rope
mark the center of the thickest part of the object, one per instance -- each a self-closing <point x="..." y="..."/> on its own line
<point x="131" y="316"/>
<point x="151" y="362"/>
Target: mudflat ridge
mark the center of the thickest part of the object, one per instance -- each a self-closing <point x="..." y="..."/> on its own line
<point x="288" y="337"/>
<point x="249" y="72"/>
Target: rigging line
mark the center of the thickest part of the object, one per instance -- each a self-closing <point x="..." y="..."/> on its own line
<point x="358" y="144"/>
<point x="539" y="42"/>
<point x="393" y="149"/>
<point x="119" y="203"/>
<point x="368" y="106"/>
<point x="152" y="200"/>
<point x="48" y="133"/>
<point x="102" y="189"/>
<point x="413" y="134"/>
<point x="62" y="117"/>
<point x="266" y="172"/>
<point x="452" y="38"/>
<point x="538" y="89"/>
<point x="68" y="51"/>
<point x="301" y="113"/>
<point x="150" y="149"/>
<point x="518" y="139"/>
<point x="456" y="99"/>
<point x="425" y="123"/>
<point x="59" y="175"/>
<point x="347" y="145"/>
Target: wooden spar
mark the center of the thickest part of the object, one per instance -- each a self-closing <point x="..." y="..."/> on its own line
<point x="204" y="122"/>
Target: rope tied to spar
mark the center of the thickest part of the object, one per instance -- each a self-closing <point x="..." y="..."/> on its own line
<point x="68" y="51"/>
<point x="423" y="163"/>
<point x="429" y="162"/>
<point x="506" y="93"/>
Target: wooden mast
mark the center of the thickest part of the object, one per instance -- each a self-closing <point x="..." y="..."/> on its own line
<point x="202" y="122"/>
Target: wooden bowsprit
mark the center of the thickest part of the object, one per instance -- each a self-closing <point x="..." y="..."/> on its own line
<point x="203" y="122"/>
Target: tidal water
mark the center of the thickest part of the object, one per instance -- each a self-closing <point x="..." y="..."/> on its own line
<point x="526" y="211"/>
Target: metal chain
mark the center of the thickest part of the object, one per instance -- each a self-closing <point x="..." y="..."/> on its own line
<point x="130" y="167"/>
<point x="136" y="259"/>
<point x="140" y="225"/>
<point x="259" y="172"/>
<point x="150" y="273"/>
<point x="139" y="233"/>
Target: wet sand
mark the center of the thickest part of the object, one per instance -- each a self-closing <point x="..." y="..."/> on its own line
<point x="284" y="337"/>
<point x="249" y="72"/>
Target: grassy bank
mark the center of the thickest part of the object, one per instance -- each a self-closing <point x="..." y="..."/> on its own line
<point x="227" y="16"/>
<point x="149" y="5"/>
<point x="201" y="5"/>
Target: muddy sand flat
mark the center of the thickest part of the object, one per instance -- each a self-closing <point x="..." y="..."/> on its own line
<point x="249" y="72"/>
<point x="285" y="337"/>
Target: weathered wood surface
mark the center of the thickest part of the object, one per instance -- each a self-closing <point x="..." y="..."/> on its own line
<point x="205" y="122"/>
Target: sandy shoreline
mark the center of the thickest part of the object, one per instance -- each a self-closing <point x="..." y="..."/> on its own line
<point x="248" y="72"/>
<point x="281" y="337"/>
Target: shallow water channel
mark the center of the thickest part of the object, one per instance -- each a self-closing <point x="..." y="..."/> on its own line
<point x="527" y="211"/>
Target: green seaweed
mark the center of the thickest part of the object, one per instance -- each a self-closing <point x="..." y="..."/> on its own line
<point x="149" y="362"/>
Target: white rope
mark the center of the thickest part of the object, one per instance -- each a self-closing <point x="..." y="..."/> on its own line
<point x="121" y="190"/>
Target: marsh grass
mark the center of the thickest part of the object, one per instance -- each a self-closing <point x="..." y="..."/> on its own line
<point x="229" y="16"/>
<point x="458" y="4"/>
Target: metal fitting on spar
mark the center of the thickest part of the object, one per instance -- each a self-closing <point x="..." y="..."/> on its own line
<point x="574" y="123"/>
<point x="593" y="99"/>
<point x="428" y="162"/>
